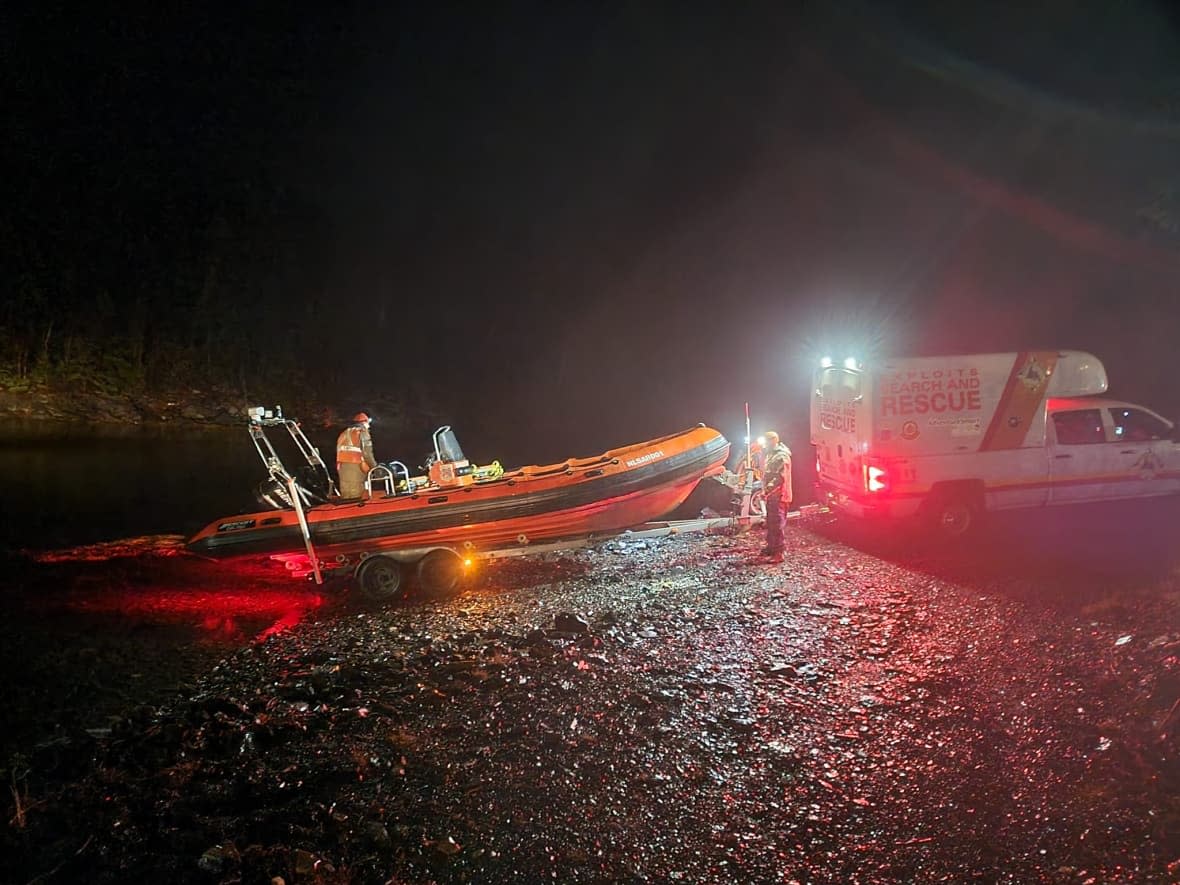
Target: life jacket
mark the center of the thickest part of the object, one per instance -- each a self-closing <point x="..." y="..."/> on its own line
<point x="348" y="447"/>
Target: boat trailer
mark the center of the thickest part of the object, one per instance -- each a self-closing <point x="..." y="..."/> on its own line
<point x="441" y="569"/>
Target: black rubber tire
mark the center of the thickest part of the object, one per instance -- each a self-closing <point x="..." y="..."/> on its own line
<point x="953" y="516"/>
<point x="440" y="573"/>
<point x="379" y="579"/>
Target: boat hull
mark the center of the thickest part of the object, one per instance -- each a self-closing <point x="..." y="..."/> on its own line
<point x="618" y="489"/>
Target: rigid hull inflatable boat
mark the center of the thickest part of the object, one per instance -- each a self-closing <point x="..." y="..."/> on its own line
<point x="457" y="508"/>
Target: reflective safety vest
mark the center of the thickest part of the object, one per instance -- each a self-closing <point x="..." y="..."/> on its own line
<point x="348" y="447"/>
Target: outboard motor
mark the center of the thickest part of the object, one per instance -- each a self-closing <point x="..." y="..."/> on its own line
<point x="273" y="494"/>
<point x="314" y="483"/>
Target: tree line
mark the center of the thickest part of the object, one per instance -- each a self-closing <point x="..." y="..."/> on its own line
<point x="106" y="291"/>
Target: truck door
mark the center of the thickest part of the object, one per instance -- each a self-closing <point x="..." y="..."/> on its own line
<point x="1078" y="456"/>
<point x="1145" y="459"/>
<point x="840" y="428"/>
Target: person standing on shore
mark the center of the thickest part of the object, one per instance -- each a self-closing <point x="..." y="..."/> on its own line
<point x="776" y="487"/>
<point x="354" y="456"/>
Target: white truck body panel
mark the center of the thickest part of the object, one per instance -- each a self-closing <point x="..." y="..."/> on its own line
<point x="1008" y="430"/>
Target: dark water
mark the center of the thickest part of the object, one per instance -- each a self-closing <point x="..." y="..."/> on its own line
<point x="68" y="484"/>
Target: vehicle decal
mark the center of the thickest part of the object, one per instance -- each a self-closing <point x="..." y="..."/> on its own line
<point x="1023" y="395"/>
<point x="643" y="459"/>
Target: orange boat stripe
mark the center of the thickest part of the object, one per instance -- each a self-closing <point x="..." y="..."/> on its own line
<point x="1023" y="394"/>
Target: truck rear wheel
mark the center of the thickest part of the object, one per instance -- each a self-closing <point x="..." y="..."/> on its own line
<point x="379" y="579"/>
<point x="953" y="514"/>
<point x="440" y="573"/>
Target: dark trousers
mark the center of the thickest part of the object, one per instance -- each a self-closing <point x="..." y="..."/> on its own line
<point x="776" y="522"/>
<point x="352" y="479"/>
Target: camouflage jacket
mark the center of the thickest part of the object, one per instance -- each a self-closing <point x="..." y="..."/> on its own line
<point x="776" y="476"/>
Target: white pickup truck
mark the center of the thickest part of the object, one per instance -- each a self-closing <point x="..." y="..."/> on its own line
<point x="950" y="437"/>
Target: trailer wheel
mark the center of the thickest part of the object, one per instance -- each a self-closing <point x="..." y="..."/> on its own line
<point x="953" y="515"/>
<point x="439" y="573"/>
<point x="379" y="579"/>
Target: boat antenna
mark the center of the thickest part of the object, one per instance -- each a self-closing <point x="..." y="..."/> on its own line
<point x="747" y="434"/>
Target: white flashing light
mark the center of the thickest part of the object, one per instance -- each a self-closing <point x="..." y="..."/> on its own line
<point x="825" y="363"/>
<point x="851" y="363"/>
<point x="877" y="479"/>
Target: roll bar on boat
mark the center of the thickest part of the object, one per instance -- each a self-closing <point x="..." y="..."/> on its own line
<point x="262" y="418"/>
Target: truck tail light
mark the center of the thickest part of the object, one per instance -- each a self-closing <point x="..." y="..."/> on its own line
<point x="876" y="479"/>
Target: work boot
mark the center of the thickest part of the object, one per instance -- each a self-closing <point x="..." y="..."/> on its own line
<point x="774" y="557"/>
<point x="765" y="551"/>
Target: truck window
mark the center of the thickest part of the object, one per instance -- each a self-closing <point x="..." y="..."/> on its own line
<point x="1079" y="427"/>
<point x="837" y="382"/>
<point x="1136" y="425"/>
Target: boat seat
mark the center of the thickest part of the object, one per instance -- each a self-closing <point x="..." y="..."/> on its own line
<point x="381" y="474"/>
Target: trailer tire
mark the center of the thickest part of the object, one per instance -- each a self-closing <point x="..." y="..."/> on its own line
<point x="379" y="579"/>
<point x="440" y="573"/>
<point x="954" y="514"/>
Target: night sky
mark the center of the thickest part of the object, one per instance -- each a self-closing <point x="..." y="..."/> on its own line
<point x="596" y="223"/>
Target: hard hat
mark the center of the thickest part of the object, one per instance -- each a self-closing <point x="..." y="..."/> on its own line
<point x="361" y="418"/>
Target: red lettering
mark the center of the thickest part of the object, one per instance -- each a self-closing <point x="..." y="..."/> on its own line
<point x="939" y="401"/>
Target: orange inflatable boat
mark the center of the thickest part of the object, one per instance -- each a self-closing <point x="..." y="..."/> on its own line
<point x="457" y="509"/>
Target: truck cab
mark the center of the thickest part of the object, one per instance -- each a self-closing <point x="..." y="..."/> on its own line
<point x="1103" y="449"/>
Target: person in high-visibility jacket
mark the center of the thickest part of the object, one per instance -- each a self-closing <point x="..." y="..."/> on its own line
<point x="776" y="486"/>
<point x="354" y="456"/>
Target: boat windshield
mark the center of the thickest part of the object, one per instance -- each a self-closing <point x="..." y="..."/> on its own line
<point x="447" y="445"/>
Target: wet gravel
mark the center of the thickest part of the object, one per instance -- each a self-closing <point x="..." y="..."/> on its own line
<point x="659" y="711"/>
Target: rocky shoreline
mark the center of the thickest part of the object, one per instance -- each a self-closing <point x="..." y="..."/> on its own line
<point x="659" y="711"/>
<point x="193" y="406"/>
<point x="213" y="407"/>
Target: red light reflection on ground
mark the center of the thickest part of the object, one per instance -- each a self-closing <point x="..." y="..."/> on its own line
<point x="221" y="612"/>
<point x="151" y="580"/>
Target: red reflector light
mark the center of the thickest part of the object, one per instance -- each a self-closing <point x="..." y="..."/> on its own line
<point x="876" y="479"/>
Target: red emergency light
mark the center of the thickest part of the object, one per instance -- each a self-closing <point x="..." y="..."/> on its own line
<point x="876" y="479"/>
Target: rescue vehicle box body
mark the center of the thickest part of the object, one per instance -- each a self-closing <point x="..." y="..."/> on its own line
<point x="953" y="436"/>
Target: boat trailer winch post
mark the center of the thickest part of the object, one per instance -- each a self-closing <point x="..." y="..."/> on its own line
<point x="295" y="497"/>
